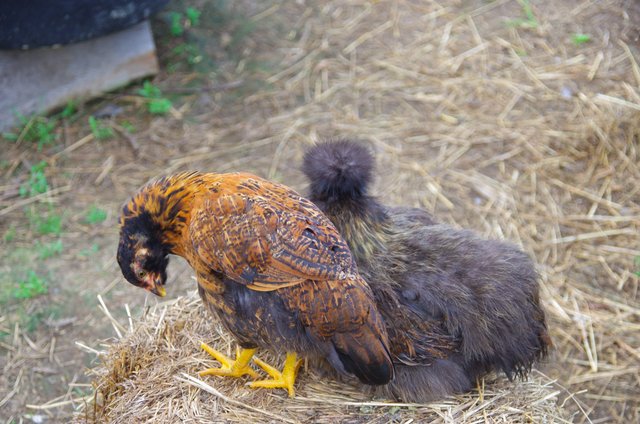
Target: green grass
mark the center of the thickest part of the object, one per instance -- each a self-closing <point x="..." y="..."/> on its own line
<point x="244" y="28"/>
<point x="41" y="222"/>
<point x="35" y="129"/>
<point x="149" y="90"/>
<point x="33" y="320"/>
<point x="48" y="250"/>
<point x="190" y="51"/>
<point x="99" y="130"/>
<point x="95" y="215"/>
<point x="30" y="320"/>
<point x="579" y="39"/>
<point x="88" y="251"/>
<point x="31" y="286"/>
<point x="521" y="52"/>
<point x="160" y="106"/>
<point x="25" y="283"/>
<point x="178" y="22"/>
<point x="69" y="110"/>
<point x="128" y="126"/>
<point x="193" y="16"/>
<point x="637" y="261"/>
<point x="49" y="223"/>
<point x="9" y="235"/>
<point x="37" y="183"/>
<point x="38" y="129"/>
<point x="529" y="21"/>
<point x="176" y="28"/>
<point x="81" y="392"/>
<point x="195" y="35"/>
<point x="156" y="104"/>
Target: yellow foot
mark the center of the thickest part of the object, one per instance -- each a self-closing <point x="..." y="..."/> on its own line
<point x="230" y="368"/>
<point x="281" y="380"/>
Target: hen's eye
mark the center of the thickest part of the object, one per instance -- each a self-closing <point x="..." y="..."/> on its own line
<point x="141" y="273"/>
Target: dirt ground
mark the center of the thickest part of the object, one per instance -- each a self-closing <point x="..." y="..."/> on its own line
<point x="518" y="120"/>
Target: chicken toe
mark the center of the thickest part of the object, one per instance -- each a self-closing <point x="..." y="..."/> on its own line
<point x="281" y="380"/>
<point x="230" y="367"/>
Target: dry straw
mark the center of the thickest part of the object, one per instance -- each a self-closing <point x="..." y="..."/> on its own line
<point x="501" y="126"/>
<point x="150" y="375"/>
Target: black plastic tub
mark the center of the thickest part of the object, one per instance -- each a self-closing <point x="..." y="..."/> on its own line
<point x="26" y="24"/>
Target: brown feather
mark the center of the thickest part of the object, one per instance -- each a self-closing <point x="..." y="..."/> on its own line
<point x="268" y="263"/>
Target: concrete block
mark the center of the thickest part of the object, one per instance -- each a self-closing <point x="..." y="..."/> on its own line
<point x="36" y="81"/>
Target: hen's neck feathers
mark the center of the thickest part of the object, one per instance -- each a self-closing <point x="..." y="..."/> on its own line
<point x="363" y="222"/>
<point x="163" y="207"/>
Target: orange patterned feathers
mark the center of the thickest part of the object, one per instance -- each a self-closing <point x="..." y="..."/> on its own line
<point x="268" y="262"/>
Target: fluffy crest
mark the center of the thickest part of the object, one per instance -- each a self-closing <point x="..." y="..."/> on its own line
<point x="338" y="170"/>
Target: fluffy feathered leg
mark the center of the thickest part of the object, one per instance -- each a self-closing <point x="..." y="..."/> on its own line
<point x="281" y="380"/>
<point x="230" y="368"/>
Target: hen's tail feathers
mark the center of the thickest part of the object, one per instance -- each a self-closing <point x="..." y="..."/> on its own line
<point x="338" y="170"/>
<point x="364" y="355"/>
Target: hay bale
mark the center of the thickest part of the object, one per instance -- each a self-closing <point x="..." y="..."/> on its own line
<point x="150" y="375"/>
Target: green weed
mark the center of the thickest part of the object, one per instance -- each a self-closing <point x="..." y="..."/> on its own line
<point x="95" y="215"/>
<point x="637" y="261"/>
<point x="37" y="183"/>
<point x="157" y="104"/>
<point x="69" y="110"/>
<point x="50" y="223"/>
<point x="178" y="23"/>
<point x="128" y="126"/>
<point x="529" y="21"/>
<point x="80" y="392"/>
<point x="149" y="90"/>
<point x="160" y="106"/>
<point x="176" y="27"/>
<point x="86" y="252"/>
<point x="100" y="131"/>
<point x="40" y="129"/>
<point x="579" y="39"/>
<point x="35" y="129"/>
<point x="9" y="235"/>
<point x="190" y="51"/>
<point x="48" y="250"/>
<point x="193" y="16"/>
<point x="33" y="285"/>
<point x="193" y="31"/>
<point x="35" y="319"/>
<point x="245" y="28"/>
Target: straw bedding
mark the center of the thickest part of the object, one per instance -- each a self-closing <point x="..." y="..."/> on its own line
<point x="150" y="375"/>
<point x="513" y="131"/>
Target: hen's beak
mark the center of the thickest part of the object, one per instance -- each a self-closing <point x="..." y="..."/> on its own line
<point x="154" y="285"/>
<point x="159" y="290"/>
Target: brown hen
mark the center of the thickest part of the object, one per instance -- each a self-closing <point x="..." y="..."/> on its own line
<point x="268" y="263"/>
<point x="456" y="305"/>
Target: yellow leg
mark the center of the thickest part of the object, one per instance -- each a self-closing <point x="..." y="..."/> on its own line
<point x="230" y="368"/>
<point x="281" y="380"/>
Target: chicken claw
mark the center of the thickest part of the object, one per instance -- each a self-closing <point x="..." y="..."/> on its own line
<point x="230" y="367"/>
<point x="281" y="380"/>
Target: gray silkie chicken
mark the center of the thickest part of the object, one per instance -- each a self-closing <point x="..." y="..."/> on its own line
<point x="456" y="306"/>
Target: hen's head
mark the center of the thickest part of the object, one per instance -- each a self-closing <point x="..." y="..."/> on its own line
<point x="141" y="254"/>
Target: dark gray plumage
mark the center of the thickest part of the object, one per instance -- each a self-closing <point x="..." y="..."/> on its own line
<point x="457" y="306"/>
